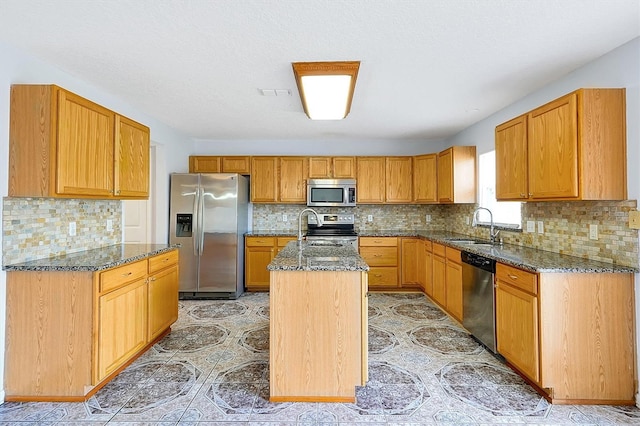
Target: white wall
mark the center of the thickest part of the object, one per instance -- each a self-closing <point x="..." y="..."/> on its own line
<point x="618" y="68"/>
<point x="17" y="67"/>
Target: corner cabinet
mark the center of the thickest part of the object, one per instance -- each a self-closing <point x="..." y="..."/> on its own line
<point x="70" y="332"/>
<point x="572" y="334"/>
<point x="62" y="145"/>
<point x="457" y="175"/>
<point x="572" y="148"/>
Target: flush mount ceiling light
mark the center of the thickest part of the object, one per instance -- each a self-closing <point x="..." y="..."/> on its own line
<point x="326" y="88"/>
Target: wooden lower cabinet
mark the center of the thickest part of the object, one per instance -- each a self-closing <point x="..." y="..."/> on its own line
<point x="259" y="252"/>
<point x="453" y="279"/>
<point x="69" y="333"/>
<point x="439" y="275"/>
<point x="122" y="326"/>
<point x="410" y="256"/>
<point x="572" y="334"/>
<point x="381" y="254"/>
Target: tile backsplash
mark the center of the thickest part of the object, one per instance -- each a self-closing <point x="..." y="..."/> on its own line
<point x="37" y="228"/>
<point x="566" y="225"/>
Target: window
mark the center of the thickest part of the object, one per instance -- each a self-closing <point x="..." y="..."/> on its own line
<point x="506" y="214"/>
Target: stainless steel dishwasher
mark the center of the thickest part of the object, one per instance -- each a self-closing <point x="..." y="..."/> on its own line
<point x="479" y="297"/>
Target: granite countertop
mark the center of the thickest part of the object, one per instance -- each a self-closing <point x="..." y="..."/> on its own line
<point x="530" y="259"/>
<point x="313" y="258"/>
<point x="93" y="260"/>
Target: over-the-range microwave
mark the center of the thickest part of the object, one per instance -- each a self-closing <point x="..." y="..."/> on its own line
<point x="331" y="192"/>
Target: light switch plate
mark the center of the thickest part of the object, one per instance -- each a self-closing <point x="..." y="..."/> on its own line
<point x="109" y="224"/>
<point x="427" y="218"/>
<point x="370" y="218"/>
<point x="540" y="227"/>
<point x="593" y="232"/>
<point x="72" y="229"/>
<point x="531" y="226"/>
<point x="284" y="218"/>
<point x="634" y="219"/>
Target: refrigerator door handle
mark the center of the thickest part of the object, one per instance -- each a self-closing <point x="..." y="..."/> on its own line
<point x="196" y="229"/>
<point x="201" y="222"/>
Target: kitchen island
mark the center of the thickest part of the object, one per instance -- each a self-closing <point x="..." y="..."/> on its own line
<point x="318" y="323"/>
<point x="75" y="321"/>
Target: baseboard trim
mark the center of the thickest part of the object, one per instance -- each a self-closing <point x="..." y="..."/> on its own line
<point x="638" y="400"/>
<point x="1" y="396"/>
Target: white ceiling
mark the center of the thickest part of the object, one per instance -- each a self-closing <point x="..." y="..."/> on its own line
<point x="429" y="68"/>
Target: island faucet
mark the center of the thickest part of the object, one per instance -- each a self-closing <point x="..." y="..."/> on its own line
<point x="474" y="223"/>
<point x="300" y="222"/>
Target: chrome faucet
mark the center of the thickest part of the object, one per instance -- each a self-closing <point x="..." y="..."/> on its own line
<point x="474" y="223"/>
<point x="300" y="222"/>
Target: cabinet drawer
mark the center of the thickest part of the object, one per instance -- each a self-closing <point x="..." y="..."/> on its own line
<point x="523" y="280"/>
<point x="163" y="260"/>
<point x="282" y="241"/>
<point x="116" y="277"/>
<point x="439" y="250"/>
<point x="260" y="242"/>
<point x="378" y="241"/>
<point x="383" y="276"/>
<point x="453" y="255"/>
<point x="380" y="256"/>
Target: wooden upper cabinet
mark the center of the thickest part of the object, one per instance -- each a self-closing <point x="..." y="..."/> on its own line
<point x="457" y="175"/>
<point x="370" y="179"/>
<point x="553" y="149"/>
<point x="425" y="178"/>
<point x="399" y="175"/>
<point x="132" y="159"/>
<point x="220" y="164"/>
<point x="264" y="179"/>
<point x="293" y="179"/>
<point x="332" y="167"/>
<point x="62" y="145"/>
<point x="511" y="160"/>
<point x="575" y="149"/>
<point x="204" y="164"/>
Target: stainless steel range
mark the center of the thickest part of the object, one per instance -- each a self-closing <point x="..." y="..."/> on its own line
<point x="337" y="228"/>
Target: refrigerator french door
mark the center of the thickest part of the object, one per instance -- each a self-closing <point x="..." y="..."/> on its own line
<point x="208" y="218"/>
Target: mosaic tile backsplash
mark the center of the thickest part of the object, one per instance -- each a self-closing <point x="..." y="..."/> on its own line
<point x="566" y="225"/>
<point x="37" y="228"/>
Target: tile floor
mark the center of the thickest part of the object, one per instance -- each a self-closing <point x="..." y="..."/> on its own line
<point x="213" y="369"/>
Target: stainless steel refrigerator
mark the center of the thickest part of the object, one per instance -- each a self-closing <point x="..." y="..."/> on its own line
<point x="208" y="218"/>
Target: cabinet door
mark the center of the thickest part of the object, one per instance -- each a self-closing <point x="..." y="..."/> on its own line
<point x="511" y="160"/>
<point x="236" y="164"/>
<point x="163" y="300"/>
<point x="517" y="328"/>
<point x="132" y="159"/>
<point x="122" y="326"/>
<point x="319" y="167"/>
<point x="445" y="176"/>
<point x="204" y="164"/>
<point x="371" y="179"/>
<point x="425" y="178"/>
<point x="453" y="278"/>
<point x="428" y="271"/>
<point x="293" y="179"/>
<point x="85" y="147"/>
<point x="256" y="273"/>
<point x="264" y="179"/>
<point x="409" y="262"/>
<point x="439" y="280"/>
<point x="553" y="149"/>
<point x="399" y="179"/>
<point x="344" y="167"/>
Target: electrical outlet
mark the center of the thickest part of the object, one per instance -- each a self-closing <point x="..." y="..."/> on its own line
<point x="427" y="218"/>
<point x="531" y="226"/>
<point x="72" y="229"/>
<point x="284" y="218"/>
<point x="540" y="227"/>
<point x="370" y="218"/>
<point x="593" y="232"/>
<point x="634" y="219"/>
<point x="109" y="224"/>
<point x="468" y="220"/>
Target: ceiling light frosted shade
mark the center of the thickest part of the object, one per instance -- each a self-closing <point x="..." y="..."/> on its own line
<point x="326" y="88"/>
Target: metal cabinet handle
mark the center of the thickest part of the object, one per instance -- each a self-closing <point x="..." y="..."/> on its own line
<point x="513" y="277"/>
<point x="127" y="274"/>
